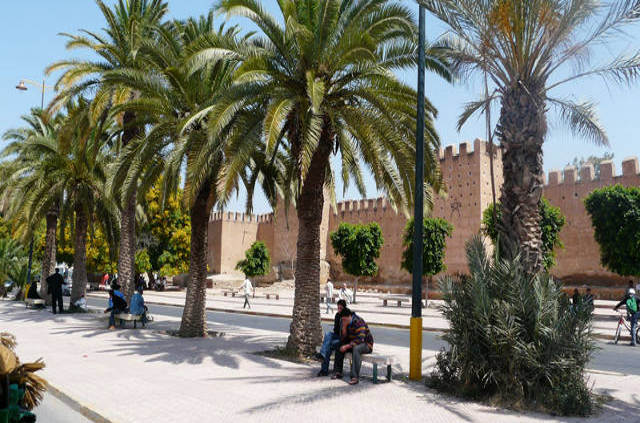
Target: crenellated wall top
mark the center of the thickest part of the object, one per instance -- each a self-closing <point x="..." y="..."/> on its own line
<point x="571" y="175"/>
<point x="365" y="205"/>
<point x="465" y="149"/>
<point x="240" y="217"/>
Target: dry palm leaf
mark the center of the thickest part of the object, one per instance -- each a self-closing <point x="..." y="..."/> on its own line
<point x="34" y="385"/>
<point x="8" y="340"/>
<point x="8" y="361"/>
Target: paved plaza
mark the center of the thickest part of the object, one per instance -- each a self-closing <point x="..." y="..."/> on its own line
<point x="145" y="375"/>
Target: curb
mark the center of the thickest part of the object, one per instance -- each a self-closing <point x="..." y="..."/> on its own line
<point x="600" y="336"/>
<point x="85" y="411"/>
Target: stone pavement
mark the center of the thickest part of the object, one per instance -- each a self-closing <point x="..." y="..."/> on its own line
<point x="147" y="376"/>
<point x="369" y="306"/>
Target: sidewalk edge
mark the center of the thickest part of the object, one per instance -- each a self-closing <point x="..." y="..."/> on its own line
<point x="85" y="411"/>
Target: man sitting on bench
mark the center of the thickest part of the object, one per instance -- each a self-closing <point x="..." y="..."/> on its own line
<point x="32" y="293"/>
<point x="117" y="305"/>
<point x="137" y="306"/>
<point x="331" y="340"/>
<point x="356" y="337"/>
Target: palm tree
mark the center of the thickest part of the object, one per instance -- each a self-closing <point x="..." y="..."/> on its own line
<point x="174" y="102"/>
<point x="322" y="79"/>
<point x="129" y="24"/>
<point x="72" y="167"/>
<point x="528" y="48"/>
<point x="24" y="159"/>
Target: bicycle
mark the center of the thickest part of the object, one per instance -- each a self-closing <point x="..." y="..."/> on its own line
<point x="622" y="321"/>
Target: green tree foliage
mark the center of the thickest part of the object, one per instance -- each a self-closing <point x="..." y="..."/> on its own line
<point x="551" y="222"/>
<point x="167" y="233"/>
<point x="359" y="246"/>
<point x="256" y="261"/>
<point x="143" y="262"/>
<point x="615" y="216"/>
<point x="435" y="231"/>
<point x="513" y="338"/>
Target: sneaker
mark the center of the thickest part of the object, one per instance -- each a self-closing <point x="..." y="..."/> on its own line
<point x="337" y="376"/>
<point x="322" y="373"/>
<point x="112" y="327"/>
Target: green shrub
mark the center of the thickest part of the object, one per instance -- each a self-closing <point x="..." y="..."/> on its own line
<point x="256" y="261"/>
<point x="513" y="338"/>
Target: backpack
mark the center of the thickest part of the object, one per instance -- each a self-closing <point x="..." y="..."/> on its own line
<point x="632" y="304"/>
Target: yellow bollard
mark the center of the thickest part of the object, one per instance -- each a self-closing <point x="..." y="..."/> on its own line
<point x="415" y="349"/>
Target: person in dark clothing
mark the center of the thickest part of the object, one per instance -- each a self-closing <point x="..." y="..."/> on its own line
<point x="331" y="340"/>
<point x="54" y="287"/>
<point x="575" y="299"/>
<point x="117" y="305"/>
<point x="33" y="292"/>
<point x="588" y="300"/>
<point x="356" y="337"/>
<point x="632" y="302"/>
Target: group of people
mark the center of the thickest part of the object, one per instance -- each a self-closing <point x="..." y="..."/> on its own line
<point x="350" y="333"/>
<point x="344" y="294"/>
<point x="118" y="304"/>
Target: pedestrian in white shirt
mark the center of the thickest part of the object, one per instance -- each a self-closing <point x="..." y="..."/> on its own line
<point x="346" y="294"/>
<point x="248" y="290"/>
<point x="328" y="292"/>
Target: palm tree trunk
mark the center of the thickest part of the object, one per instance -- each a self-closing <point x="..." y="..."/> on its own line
<point x="305" y="329"/>
<point x="194" y="322"/>
<point x="127" y="250"/>
<point x="80" y="255"/>
<point x="49" y="259"/>
<point x="522" y="129"/>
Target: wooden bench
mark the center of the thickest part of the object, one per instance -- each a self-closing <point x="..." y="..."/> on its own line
<point x="230" y="291"/>
<point x="375" y="359"/>
<point x="272" y="294"/>
<point x="34" y="302"/>
<point x="126" y="317"/>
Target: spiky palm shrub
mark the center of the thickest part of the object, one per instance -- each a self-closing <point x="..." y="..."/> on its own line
<point x="513" y="338"/>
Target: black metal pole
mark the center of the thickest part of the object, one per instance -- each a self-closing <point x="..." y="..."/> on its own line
<point x="416" y="300"/>
<point x="415" y="355"/>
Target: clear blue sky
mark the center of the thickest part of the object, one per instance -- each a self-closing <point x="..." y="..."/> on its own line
<point x="30" y="43"/>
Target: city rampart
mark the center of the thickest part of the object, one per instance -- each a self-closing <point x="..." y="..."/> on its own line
<point x="467" y="175"/>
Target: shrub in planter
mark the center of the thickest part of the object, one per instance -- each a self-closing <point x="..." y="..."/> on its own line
<point x="513" y="338"/>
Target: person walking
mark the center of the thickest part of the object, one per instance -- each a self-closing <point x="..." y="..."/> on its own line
<point x="632" y="302"/>
<point x="248" y="289"/>
<point x="328" y="292"/>
<point x="331" y="340"/>
<point x="345" y="294"/>
<point x="356" y="337"/>
<point x="54" y="287"/>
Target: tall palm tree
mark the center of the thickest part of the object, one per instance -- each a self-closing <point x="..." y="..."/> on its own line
<point x="129" y="24"/>
<point x="174" y="101"/>
<point x="528" y="48"/>
<point x="24" y="159"/>
<point x="73" y="168"/>
<point x="322" y="79"/>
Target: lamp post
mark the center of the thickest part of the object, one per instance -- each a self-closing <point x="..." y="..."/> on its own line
<point x="415" y="350"/>
<point x="22" y="87"/>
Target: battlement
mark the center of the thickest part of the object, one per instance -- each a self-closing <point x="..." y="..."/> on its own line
<point x="453" y="151"/>
<point x="240" y="217"/>
<point x="366" y="205"/>
<point x="569" y="175"/>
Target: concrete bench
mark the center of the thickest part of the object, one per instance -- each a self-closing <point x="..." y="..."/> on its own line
<point x="375" y="360"/>
<point x="398" y="299"/>
<point x="126" y="317"/>
<point x="332" y="300"/>
<point x="230" y="292"/>
<point x="272" y="294"/>
<point x="34" y="302"/>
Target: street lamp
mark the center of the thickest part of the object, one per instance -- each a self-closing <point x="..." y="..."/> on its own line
<point x="22" y="87"/>
<point x="415" y="333"/>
